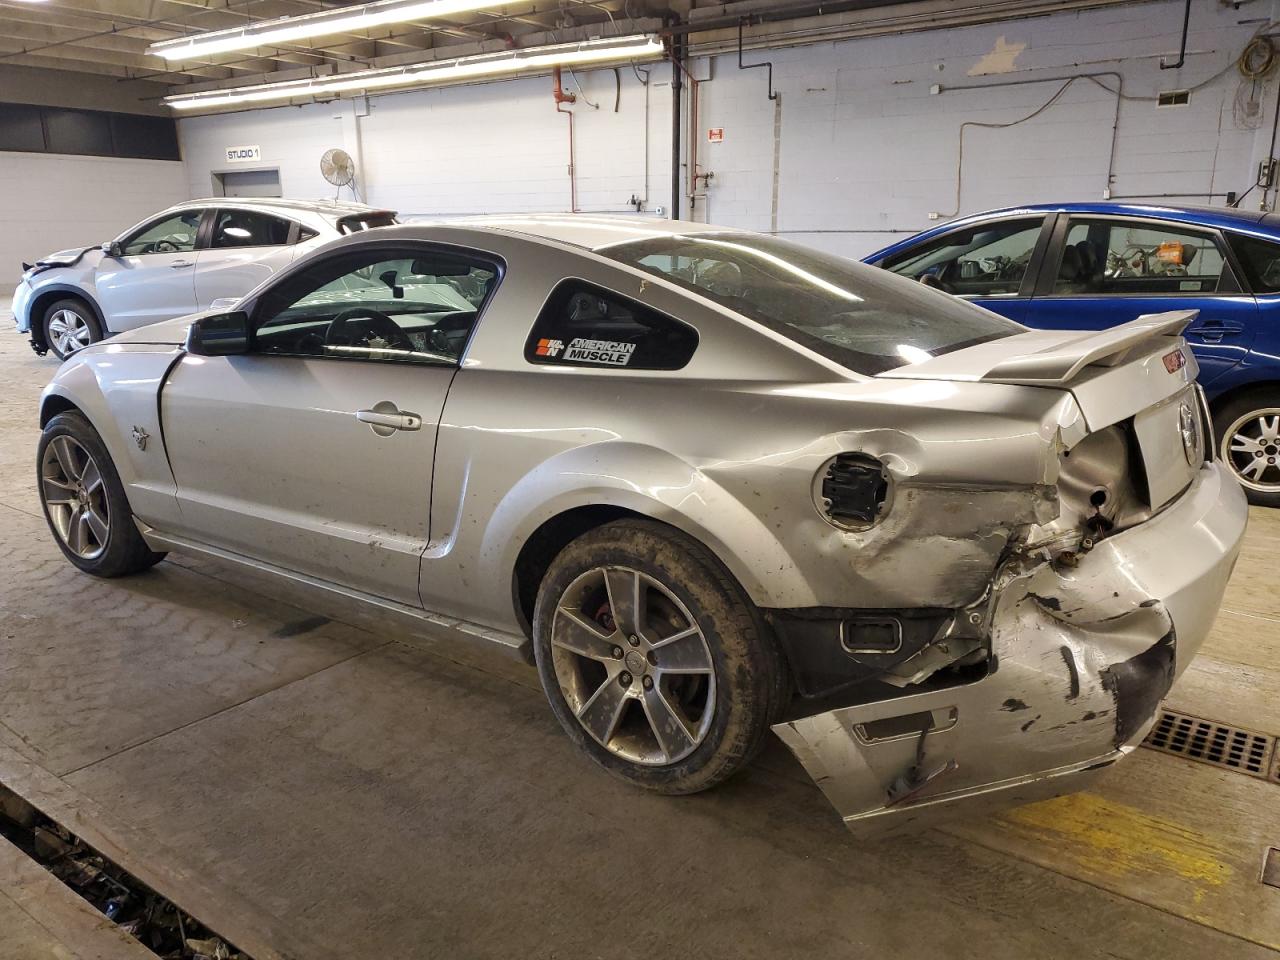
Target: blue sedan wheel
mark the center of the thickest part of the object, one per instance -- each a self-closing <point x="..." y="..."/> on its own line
<point x="1249" y="443"/>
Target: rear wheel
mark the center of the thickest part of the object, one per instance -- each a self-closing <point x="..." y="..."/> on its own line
<point x="1248" y="430"/>
<point x="655" y="663"/>
<point x="84" y="501"/>
<point x="69" y="325"/>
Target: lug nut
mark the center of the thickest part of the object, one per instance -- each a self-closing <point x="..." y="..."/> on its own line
<point x="648" y="682"/>
<point x="652" y="658"/>
<point x="624" y="678"/>
<point x="617" y="653"/>
<point x="633" y="640"/>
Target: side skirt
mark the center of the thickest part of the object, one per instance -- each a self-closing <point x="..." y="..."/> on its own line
<point x="435" y="626"/>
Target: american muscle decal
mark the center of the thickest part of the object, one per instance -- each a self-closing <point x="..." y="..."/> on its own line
<point x="613" y="352"/>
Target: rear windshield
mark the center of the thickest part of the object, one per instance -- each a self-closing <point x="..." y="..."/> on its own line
<point x="862" y="317"/>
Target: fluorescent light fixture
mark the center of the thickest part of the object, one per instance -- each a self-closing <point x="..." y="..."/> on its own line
<point x="505" y="62"/>
<point x="287" y="29"/>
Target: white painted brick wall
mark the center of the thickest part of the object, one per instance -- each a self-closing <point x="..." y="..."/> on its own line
<point x="866" y="151"/>
<point x="53" y="202"/>
<point x="491" y="148"/>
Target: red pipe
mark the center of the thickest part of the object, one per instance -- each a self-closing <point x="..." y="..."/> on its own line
<point x="562" y="98"/>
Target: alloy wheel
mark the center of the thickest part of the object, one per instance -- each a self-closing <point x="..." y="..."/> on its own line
<point x="75" y="496"/>
<point x="69" y="331"/>
<point x="633" y="665"/>
<point x="1251" y="447"/>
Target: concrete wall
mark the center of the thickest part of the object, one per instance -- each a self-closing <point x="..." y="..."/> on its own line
<point x="863" y="151"/>
<point x="61" y="88"/>
<point x="52" y="202"/>
<point x="866" y="152"/>
<point x="490" y="148"/>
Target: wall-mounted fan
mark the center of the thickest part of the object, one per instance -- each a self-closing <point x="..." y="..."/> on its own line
<point x="338" y="168"/>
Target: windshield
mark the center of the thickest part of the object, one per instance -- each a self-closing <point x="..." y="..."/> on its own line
<point x="862" y="317"/>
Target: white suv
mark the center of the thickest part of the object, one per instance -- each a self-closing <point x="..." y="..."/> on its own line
<point x="177" y="262"/>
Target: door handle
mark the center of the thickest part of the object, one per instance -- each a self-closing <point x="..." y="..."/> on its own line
<point x="385" y="418"/>
<point x="181" y="263"/>
<point x="1212" y="331"/>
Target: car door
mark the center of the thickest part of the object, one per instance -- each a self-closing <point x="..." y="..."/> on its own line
<point x="245" y="248"/>
<point x="314" y="451"/>
<point x="1102" y="271"/>
<point x="153" y="276"/>
<point x="991" y="263"/>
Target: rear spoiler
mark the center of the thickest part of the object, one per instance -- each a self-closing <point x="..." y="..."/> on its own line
<point x="354" y="222"/>
<point x="1059" y="364"/>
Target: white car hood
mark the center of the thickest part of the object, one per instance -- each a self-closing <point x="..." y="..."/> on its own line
<point x="165" y="332"/>
<point x="63" y="258"/>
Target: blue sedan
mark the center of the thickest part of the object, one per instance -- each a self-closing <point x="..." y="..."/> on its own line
<point x="1093" y="265"/>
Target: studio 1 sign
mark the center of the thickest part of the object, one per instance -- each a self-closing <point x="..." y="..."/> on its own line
<point x="243" y="154"/>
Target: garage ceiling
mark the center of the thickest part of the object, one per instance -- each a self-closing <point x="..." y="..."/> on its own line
<point x="110" y="37"/>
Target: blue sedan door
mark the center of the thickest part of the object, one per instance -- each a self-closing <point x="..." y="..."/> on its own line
<point x="1102" y="271"/>
<point x="991" y="263"/>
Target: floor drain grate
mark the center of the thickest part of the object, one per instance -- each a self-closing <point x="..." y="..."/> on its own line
<point x="1216" y="743"/>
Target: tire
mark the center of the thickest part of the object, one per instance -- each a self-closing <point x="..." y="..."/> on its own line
<point x="702" y="646"/>
<point x="1247" y="428"/>
<point x="69" y="325"/>
<point x="78" y="484"/>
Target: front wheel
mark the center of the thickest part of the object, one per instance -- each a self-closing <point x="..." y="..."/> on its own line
<point x="69" y="325"/>
<point x="654" y="661"/>
<point x="1248" y="430"/>
<point x="84" y="501"/>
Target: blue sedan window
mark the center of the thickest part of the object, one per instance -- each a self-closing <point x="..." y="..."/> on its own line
<point x="1145" y="259"/>
<point x="983" y="261"/>
<point x="1260" y="260"/>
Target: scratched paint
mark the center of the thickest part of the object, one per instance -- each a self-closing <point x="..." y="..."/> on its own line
<point x="1000" y="59"/>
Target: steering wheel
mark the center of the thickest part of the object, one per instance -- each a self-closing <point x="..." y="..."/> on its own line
<point x="361" y="324"/>
<point x="165" y="245"/>
<point x="931" y="280"/>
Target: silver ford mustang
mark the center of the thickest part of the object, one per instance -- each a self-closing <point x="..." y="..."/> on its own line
<point x="712" y="483"/>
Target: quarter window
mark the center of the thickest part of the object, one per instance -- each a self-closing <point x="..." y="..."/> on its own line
<point x="174" y="234"/>
<point x="1260" y="260"/>
<point x="247" y="228"/>
<point x="395" y="306"/>
<point x="582" y="325"/>
<point x="1117" y="257"/>
<point x="984" y="261"/>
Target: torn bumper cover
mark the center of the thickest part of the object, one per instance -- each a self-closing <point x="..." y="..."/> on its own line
<point x="1080" y="659"/>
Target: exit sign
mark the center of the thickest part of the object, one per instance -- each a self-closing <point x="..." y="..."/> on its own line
<point x="715" y="135"/>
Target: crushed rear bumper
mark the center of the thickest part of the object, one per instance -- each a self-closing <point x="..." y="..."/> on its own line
<point x="1081" y="659"/>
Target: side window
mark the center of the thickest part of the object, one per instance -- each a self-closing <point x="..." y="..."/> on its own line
<point x="174" y="234"/>
<point x="248" y="228"/>
<point x="982" y="261"/>
<point x="582" y="325"/>
<point x="1260" y="260"/>
<point x="401" y="306"/>
<point x="1120" y="257"/>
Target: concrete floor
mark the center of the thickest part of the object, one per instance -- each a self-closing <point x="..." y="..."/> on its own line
<point x="310" y="784"/>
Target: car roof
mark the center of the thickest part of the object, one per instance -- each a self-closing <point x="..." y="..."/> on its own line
<point x="590" y="232"/>
<point x="1252" y="222"/>
<point x="1225" y="217"/>
<point x="334" y="208"/>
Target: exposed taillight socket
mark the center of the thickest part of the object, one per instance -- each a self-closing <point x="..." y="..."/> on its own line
<point x="852" y="491"/>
